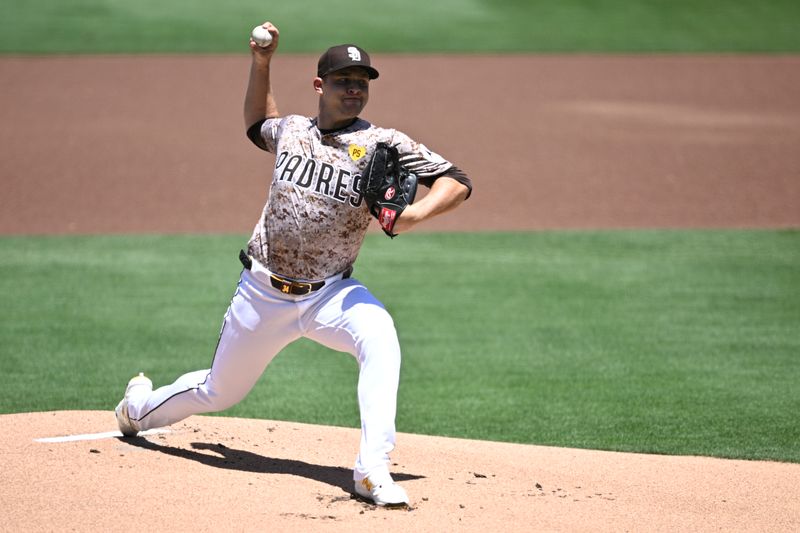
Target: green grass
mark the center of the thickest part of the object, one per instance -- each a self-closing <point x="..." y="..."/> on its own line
<point x="210" y="26"/>
<point x="678" y="342"/>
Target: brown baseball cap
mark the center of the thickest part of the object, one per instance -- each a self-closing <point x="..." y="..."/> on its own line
<point x="343" y="56"/>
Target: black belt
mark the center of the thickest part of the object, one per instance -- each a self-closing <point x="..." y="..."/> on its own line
<point x="287" y="286"/>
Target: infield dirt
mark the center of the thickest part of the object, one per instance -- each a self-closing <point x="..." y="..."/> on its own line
<point x="131" y="144"/>
<point x="121" y="144"/>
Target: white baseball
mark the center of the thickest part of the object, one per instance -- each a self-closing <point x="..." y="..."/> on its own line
<point x="261" y="36"/>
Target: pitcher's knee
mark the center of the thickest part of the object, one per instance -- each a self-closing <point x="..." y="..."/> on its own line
<point x="379" y="340"/>
<point x="218" y="398"/>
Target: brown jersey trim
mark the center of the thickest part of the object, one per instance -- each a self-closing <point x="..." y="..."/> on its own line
<point x="453" y="172"/>
<point x="254" y="134"/>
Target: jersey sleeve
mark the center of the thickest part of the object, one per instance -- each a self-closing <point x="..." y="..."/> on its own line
<point x="265" y="133"/>
<point x="426" y="164"/>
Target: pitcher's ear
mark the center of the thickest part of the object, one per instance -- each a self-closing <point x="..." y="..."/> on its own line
<point x="317" y="85"/>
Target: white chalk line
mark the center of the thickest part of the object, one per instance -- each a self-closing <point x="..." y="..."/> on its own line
<point x="98" y="436"/>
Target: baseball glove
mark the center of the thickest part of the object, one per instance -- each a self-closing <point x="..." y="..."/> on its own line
<point x="388" y="187"/>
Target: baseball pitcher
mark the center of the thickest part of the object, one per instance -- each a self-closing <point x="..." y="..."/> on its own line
<point x="334" y="173"/>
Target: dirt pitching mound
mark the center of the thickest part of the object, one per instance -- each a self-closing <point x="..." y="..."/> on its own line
<point x="68" y="471"/>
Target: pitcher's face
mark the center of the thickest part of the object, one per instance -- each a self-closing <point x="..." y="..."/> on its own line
<point x="344" y="92"/>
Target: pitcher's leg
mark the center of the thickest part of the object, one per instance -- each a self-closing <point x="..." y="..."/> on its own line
<point x="352" y="320"/>
<point x="379" y="375"/>
<point x="254" y="331"/>
<point x="164" y="406"/>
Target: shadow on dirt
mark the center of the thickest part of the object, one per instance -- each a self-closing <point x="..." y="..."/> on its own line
<point x="233" y="459"/>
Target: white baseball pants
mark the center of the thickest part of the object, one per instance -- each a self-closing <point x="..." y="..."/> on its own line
<point x="261" y="321"/>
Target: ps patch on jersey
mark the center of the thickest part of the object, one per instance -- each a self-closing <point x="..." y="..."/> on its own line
<point x="356" y="152"/>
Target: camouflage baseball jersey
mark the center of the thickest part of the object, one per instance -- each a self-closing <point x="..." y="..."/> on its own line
<point x="315" y="218"/>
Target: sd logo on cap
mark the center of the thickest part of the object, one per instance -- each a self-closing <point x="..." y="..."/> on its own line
<point x="343" y="56"/>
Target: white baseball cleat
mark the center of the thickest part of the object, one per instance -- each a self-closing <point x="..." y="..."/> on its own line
<point x="136" y="385"/>
<point x="387" y="492"/>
